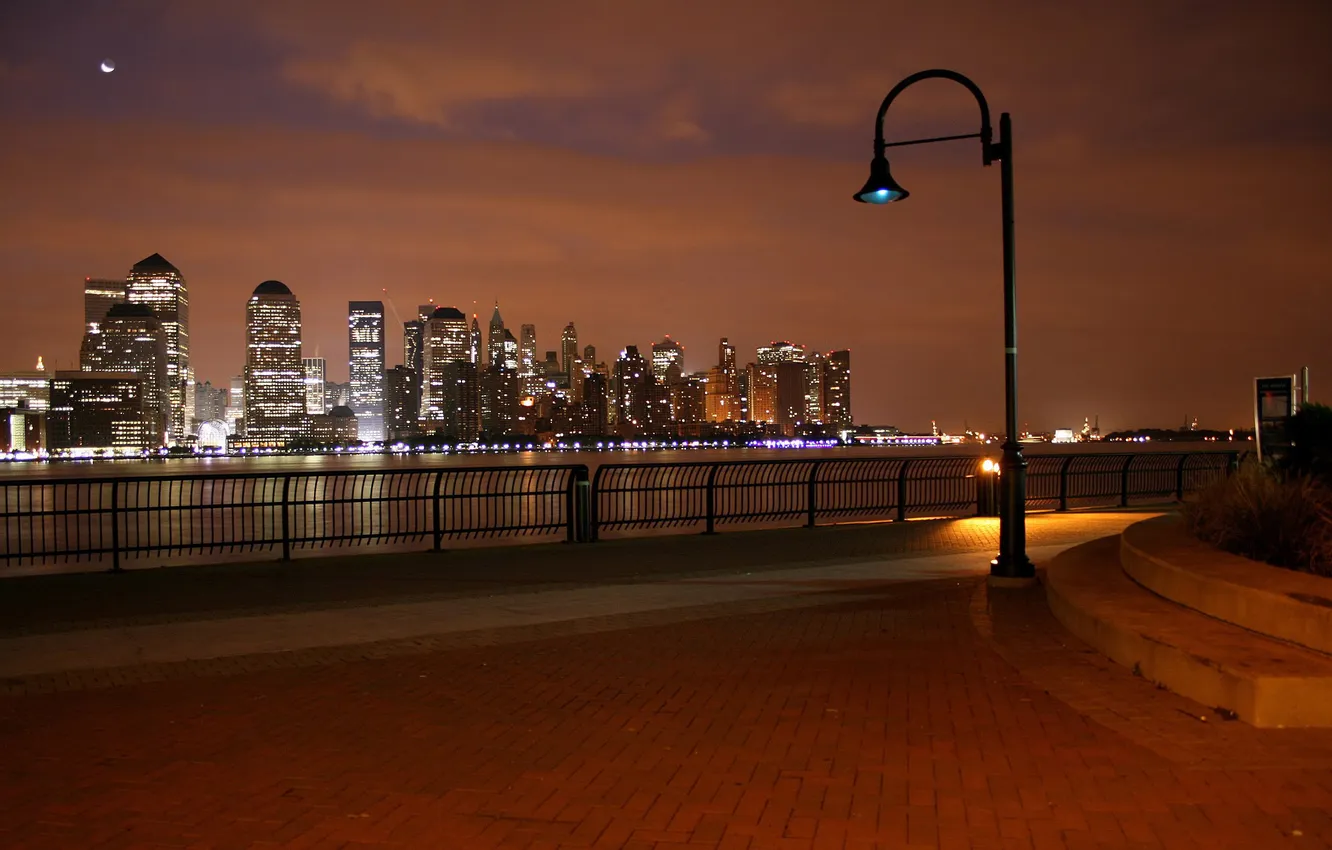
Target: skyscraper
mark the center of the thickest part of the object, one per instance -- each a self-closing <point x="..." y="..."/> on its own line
<point x="447" y="341"/>
<point x="274" y="376"/>
<point x="633" y="398"/>
<point x="495" y="340"/>
<point x="527" y="351"/>
<point x="400" y="403"/>
<point x="365" y="340"/>
<point x="837" y="391"/>
<point x="792" y="386"/>
<point x="235" y="415"/>
<point x="474" y="348"/>
<point x="762" y="399"/>
<point x="315" y="374"/>
<point x="156" y="283"/>
<point x="568" y="349"/>
<point x="99" y="295"/>
<point x="413" y="354"/>
<point x="664" y="354"/>
<point x="97" y="410"/>
<point x="780" y="352"/>
<point x="511" y="358"/>
<point x="210" y="404"/>
<point x="130" y="339"/>
<point x="814" y="387"/>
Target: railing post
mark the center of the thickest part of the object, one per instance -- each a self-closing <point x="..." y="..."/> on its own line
<point x="576" y="507"/>
<point x="1179" y="478"/>
<point x="115" y="527"/>
<point x="437" y="530"/>
<point x="902" y="491"/>
<point x="812" y="498"/>
<point x="286" y="518"/>
<point x="710" y="499"/>
<point x="1123" y="481"/>
<point x="592" y="498"/>
<point x="1063" y="482"/>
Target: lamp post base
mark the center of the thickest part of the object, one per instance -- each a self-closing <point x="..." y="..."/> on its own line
<point x="1012" y="561"/>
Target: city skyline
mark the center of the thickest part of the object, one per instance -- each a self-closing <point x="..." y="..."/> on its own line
<point x="1165" y="195"/>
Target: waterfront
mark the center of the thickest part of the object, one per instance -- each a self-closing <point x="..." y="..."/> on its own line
<point x="358" y="462"/>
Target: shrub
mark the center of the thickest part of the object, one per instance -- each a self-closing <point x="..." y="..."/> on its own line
<point x="1267" y="515"/>
<point x="1310" y="433"/>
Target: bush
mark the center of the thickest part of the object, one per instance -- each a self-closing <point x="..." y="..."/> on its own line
<point x="1310" y="433"/>
<point x="1268" y="515"/>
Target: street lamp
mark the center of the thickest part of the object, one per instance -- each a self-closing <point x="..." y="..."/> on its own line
<point x="881" y="188"/>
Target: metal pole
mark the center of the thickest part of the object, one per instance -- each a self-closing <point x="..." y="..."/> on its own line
<point x="1304" y="386"/>
<point x="1012" y="561"/>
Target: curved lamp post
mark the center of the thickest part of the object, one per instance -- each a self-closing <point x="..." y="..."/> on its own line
<point x="881" y="188"/>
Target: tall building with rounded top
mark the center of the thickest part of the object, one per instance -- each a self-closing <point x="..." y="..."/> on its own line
<point x="158" y="285"/>
<point x="274" y="374"/>
<point x="129" y="338"/>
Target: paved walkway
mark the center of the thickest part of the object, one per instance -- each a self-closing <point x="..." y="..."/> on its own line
<point x="798" y="689"/>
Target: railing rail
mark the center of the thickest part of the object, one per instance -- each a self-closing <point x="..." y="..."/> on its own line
<point x="110" y="520"/>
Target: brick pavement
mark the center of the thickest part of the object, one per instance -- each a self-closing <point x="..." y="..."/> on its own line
<point x="924" y="714"/>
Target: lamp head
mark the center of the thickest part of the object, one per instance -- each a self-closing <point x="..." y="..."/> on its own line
<point x="880" y="188"/>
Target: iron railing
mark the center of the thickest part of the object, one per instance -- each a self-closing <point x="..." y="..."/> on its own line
<point x="112" y="519"/>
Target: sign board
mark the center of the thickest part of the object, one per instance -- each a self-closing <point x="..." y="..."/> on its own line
<point x="1274" y="404"/>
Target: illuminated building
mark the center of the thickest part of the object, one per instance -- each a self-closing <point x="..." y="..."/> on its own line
<point x="235" y="416"/>
<point x="499" y="400"/>
<point x="447" y="385"/>
<point x="401" y="405"/>
<point x="780" y="352"/>
<point x="365" y="344"/>
<point x="314" y="371"/>
<point x="495" y="340"/>
<point x="413" y="356"/>
<point x="274" y="376"/>
<point x="338" y="427"/>
<point x="664" y="354"/>
<point x="632" y="380"/>
<point x="688" y="402"/>
<point x="22" y="430"/>
<point x="762" y="393"/>
<point x="568" y="349"/>
<point x="593" y="409"/>
<point x="527" y="356"/>
<point x="98" y="411"/>
<point x="814" y="387"/>
<point x="510" y="352"/>
<point x="130" y="339"/>
<point x="28" y="388"/>
<point x="719" y="405"/>
<point x="742" y="395"/>
<point x="159" y="285"/>
<point x="837" y="391"/>
<point x="210" y="404"/>
<point x="792" y="386"/>
<point x="336" y="393"/>
<point x="99" y="295"/>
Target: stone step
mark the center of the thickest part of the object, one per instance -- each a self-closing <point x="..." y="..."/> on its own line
<point x="1160" y="555"/>
<point x="1265" y="682"/>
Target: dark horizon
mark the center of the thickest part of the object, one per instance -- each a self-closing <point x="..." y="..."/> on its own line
<point x="689" y="172"/>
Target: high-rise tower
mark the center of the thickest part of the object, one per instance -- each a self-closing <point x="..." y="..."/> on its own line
<point x="129" y="338"/>
<point x="99" y="295"/>
<point x="664" y="354"/>
<point x="837" y="391"/>
<point x="447" y="342"/>
<point x="568" y="349"/>
<point x="274" y="375"/>
<point x="159" y="285"/>
<point x="365" y="340"/>
<point x="495" y="340"/>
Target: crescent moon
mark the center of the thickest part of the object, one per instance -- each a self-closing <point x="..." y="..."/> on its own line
<point x="108" y="66"/>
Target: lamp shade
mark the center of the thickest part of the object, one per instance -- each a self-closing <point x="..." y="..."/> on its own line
<point x="880" y="188"/>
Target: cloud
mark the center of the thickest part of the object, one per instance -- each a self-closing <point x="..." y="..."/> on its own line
<point x="429" y="85"/>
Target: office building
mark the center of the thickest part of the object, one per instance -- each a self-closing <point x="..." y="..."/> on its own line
<point x="401" y="404"/>
<point x="339" y="427"/>
<point x="447" y="342"/>
<point x="365" y="342"/>
<point x="27" y="388"/>
<point x="210" y="404"/>
<point x="22" y="430"/>
<point x="780" y="352"/>
<point x="632" y="379"/>
<point x="413" y="356"/>
<point x="527" y="351"/>
<point x="837" y="391"/>
<point x="664" y="354"/>
<point x="494" y="339"/>
<point x="475" y="350"/>
<point x="336" y="393"/>
<point x="99" y="295"/>
<point x="157" y="284"/>
<point x="274" y="375"/>
<point x="314" y="372"/>
<point x="568" y="349"/>
<point x="814" y="387"/>
<point x="792" y="387"/>
<point x="97" y="411"/>
<point x="499" y="400"/>
<point x="130" y="339"/>
<point x="236" y="407"/>
<point x="762" y="399"/>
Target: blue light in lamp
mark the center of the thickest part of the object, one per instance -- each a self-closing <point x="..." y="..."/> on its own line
<point x="880" y="188"/>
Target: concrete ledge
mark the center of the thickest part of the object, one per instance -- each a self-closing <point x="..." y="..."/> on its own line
<point x="1265" y="682"/>
<point x="1160" y="555"/>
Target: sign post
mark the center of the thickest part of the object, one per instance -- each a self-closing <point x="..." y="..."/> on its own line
<point x="1274" y="404"/>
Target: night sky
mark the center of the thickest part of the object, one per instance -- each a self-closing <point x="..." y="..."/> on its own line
<point x="680" y="167"/>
